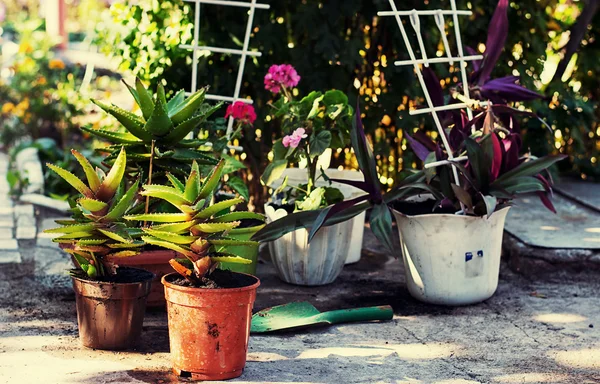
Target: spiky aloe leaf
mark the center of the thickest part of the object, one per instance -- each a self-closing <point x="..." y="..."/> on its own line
<point x="90" y="173"/>
<point x="161" y="188"/>
<point x="72" y="228"/>
<point x="176" y="228"/>
<point x="191" y="188"/>
<point x="159" y="123"/>
<point x="176" y="100"/>
<point x="73" y="180"/>
<point x="176" y="182"/>
<point x="187" y="109"/>
<point x="74" y="235"/>
<point x="116" y="236"/>
<point x="187" y="208"/>
<point x="232" y="242"/>
<point x="215" y="227"/>
<point x="160" y="95"/>
<point x="146" y="104"/>
<point x="111" y="182"/>
<point x="212" y="181"/>
<point x="134" y="244"/>
<point x="91" y="241"/>
<point x="134" y="232"/>
<point x="133" y="92"/>
<point x="192" y="154"/>
<point x="231" y="259"/>
<point x="115" y="137"/>
<point x="217" y="207"/>
<point x="66" y="222"/>
<point x="159" y="217"/>
<point x="170" y="237"/>
<point x="132" y="122"/>
<point x="182" y="130"/>
<point x="174" y="198"/>
<point x="124" y="203"/>
<point x="192" y="143"/>
<point x="165" y="244"/>
<point x="97" y="249"/>
<point x="92" y="205"/>
<point x="122" y="254"/>
<point x="233" y="216"/>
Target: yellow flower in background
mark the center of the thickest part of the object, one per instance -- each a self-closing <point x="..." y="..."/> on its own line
<point x="56" y="64"/>
<point x="7" y="108"/>
<point x="42" y="81"/>
<point x="25" y="47"/>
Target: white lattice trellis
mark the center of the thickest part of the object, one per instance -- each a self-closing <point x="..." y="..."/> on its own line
<point x="438" y="14"/>
<point x="243" y="53"/>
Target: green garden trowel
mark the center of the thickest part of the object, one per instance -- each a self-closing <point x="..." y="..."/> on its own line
<point x="304" y="314"/>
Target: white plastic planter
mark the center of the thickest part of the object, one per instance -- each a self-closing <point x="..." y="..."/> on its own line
<point x="298" y="176"/>
<point x="317" y="263"/>
<point x="451" y="259"/>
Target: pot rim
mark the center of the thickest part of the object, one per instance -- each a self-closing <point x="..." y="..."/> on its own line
<point x="99" y="282"/>
<point x="176" y="287"/>
<point x="439" y="215"/>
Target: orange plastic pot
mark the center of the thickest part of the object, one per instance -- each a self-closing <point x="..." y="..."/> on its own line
<point x="209" y="329"/>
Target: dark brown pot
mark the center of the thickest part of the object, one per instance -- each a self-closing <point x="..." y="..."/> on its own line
<point x="209" y="329"/>
<point x="110" y="315"/>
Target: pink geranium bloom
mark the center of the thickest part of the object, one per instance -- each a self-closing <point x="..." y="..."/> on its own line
<point x="281" y="75"/>
<point x="242" y="112"/>
<point x="294" y="139"/>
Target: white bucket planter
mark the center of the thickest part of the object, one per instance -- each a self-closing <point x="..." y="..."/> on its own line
<point x="298" y="176"/>
<point x="317" y="263"/>
<point x="451" y="259"/>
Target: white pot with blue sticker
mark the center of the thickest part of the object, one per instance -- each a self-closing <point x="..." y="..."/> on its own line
<point x="451" y="259"/>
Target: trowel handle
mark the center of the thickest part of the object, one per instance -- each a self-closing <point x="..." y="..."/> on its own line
<point x="382" y="312"/>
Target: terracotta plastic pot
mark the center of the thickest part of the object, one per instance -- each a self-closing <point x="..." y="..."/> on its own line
<point x="209" y="329"/>
<point x="245" y="251"/>
<point x="451" y="259"/>
<point x="110" y="315"/>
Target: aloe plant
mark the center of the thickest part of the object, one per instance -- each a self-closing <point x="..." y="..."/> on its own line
<point x="199" y="230"/>
<point x="98" y="233"/>
<point x="161" y="132"/>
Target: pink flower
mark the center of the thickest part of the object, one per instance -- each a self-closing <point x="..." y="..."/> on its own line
<point x="242" y="112"/>
<point x="281" y="75"/>
<point x="294" y="139"/>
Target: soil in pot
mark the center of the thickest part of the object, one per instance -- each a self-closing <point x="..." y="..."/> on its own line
<point x="414" y="208"/>
<point x="209" y="326"/>
<point x="110" y="312"/>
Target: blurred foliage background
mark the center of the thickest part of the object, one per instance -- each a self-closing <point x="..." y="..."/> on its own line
<point x="343" y="44"/>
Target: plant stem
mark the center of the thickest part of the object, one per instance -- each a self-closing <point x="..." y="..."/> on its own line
<point x="149" y="177"/>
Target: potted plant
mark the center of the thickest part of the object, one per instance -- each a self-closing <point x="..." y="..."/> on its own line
<point x="312" y="125"/>
<point x="110" y="300"/>
<point x="209" y="309"/>
<point x="162" y="146"/>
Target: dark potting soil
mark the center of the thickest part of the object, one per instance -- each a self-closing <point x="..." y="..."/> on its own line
<point x="420" y="208"/>
<point x="125" y="275"/>
<point x="218" y="279"/>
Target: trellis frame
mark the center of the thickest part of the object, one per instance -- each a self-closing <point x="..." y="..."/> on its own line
<point x="438" y="14"/>
<point x="243" y="53"/>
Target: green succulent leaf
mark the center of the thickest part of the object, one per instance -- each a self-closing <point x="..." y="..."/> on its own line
<point x="215" y="227"/>
<point x="235" y="216"/>
<point x="176" y="100"/>
<point x="123" y="205"/>
<point x="133" y="123"/>
<point x="145" y="99"/>
<point x="171" y="237"/>
<point x="74" y="235"/>
<point x="90" y="173"/>
<point x="217" y="207"/>
<point x="175" y="198"/>
<point x="231" y="259"/>
<point x="159" y="217"/>
<point x="72" y="179"/>
<point x="115" y="137"/>
<point x="110" y="184"/>
<point x="176" y="227"/>
<point x="159" y="123"/>
<point x="120" y="236"/>
<point x="92" y="205"/>
<point x="187" y="109"/>
<point x="176" y="182"/>
<point x="72" y="228"/>
<point x="212" y="181"/>
<point x="134" y="244"/>
<point x="165" y="244"/>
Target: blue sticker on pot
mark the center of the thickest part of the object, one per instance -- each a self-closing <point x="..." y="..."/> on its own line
<point x="468" y="256"/>
<point x="479" y="253"/>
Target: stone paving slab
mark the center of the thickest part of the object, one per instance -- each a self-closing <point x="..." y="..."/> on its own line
<point x="584" y="192"/>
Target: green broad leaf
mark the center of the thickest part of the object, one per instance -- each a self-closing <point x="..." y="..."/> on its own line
<point x="176" y="100"/>
<point x="120" y="236"/>
<point x="319" y="142"/>
<point x="176" y="227"/>
<point x="490" y="204"/>
<point x="70" y="228"/>
<point x="307" y="103"/>
<point x="517" y="185"/>
<point x="463" y="196"/>
<point x="273" y="172"/>
<point x="92" y="205"/>
<point x="430" y="172"/>
<point x="176" y="182"/>
<point x="189" y="107"/>
<point x="132" y="122"/>
<point x="232" y="164"/>
<point x="332" y="195"/>
<point x="72" y="179"/>
<point x="215" y="227"/>
<point x="231" y="259"/>
<point x="115" y="137"/>
<point x="159" y="123"/>
<point x="239" y="186"/>
<point x="236" y="216"/>
<point x="168" y="245"/>
<point x="335" y="97"/>
<point x="381" y="225"/>
<point x="313" y="201"/>
<point x="314" y="111"/>
<point x="110" y="184"/>
<point x="123" y="204"/>
<point x="212" y="181"/>
<point x="90" y="173"/>
<point x="479" y="164"/>
<point x="279" y="151"/>
<point x="217" y="207"/>
<point x="146" y="104"/>
<point x="529" y="168"/>
<point x="159" y="217"/>
<point x="170" y="236"/>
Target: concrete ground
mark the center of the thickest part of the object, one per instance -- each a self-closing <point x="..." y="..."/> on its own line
<point x="531" y="331"/>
